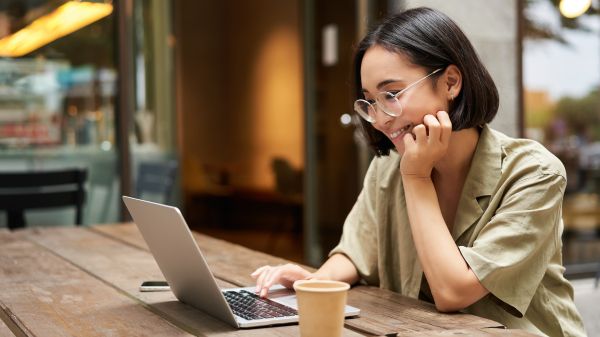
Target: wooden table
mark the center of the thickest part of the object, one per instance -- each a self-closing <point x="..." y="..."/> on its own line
<point x="84" y="282"/>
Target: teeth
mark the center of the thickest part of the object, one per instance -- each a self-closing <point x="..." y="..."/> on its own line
<point x="397" y="133"/>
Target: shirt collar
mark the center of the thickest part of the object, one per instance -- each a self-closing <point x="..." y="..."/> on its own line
<point x="486" y="165"/>
<point x="481" y="181"/>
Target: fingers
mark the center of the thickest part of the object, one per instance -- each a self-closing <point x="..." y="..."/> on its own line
<point x="272" y="278"/>
<point x="437" y="128"/>
<point x="434" y="127"/>
<point x="268" y="276"/>
<point x="258" y="271"/>
<point x="429" y="145"/>
<point x="446" y="126"/>
<point x="409" y="141"/>
<point x="420" y="132"/>
<point x="260" y="275"/>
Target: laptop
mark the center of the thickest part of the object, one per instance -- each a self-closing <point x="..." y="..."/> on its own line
<point x="185" y="269"/>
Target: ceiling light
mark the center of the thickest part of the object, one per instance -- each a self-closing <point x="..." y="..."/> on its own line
<point x="574" y="8"/>
<point x="69" y="17"/>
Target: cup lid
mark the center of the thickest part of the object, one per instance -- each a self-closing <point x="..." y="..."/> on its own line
<point x="324" y="286"/>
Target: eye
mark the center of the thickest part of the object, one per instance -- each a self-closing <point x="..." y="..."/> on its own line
<point x="389" y="96"/>
<point x="370" y="100"/>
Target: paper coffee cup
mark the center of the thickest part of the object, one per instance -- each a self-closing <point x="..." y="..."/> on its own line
<point x="321" y="307"/>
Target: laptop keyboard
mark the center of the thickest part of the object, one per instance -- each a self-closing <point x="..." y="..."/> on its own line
<point x="250" y="306"/>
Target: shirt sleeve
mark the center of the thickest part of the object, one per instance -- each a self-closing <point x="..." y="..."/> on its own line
<point x="511" y="253"/>
<point x="359" y="236"/>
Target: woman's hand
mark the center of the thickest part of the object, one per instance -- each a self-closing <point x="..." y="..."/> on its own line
<point x="423" y="151"/>
<point x="286" y="275"/>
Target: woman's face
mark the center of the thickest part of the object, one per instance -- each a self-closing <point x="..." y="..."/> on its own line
<point x="383" y="70"/>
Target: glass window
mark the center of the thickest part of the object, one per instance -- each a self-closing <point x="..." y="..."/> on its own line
<point x="57" y="97"/>
<point x="561" y="75"/>
<point x="152" y="136"/>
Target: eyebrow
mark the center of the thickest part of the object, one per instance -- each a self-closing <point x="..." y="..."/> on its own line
<point x="384" y="83"/>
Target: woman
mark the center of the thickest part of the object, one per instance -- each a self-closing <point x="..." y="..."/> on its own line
<point x="475" y="212"/>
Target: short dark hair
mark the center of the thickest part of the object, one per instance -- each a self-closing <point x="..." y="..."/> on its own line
<point x="431" y="39"/>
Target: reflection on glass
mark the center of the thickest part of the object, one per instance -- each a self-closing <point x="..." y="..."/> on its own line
<point x="57" y="101"/>
<point x="64" y="20"/>
<point x="52" y="103"/>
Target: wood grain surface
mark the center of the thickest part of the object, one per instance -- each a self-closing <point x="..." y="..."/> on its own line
<point x="84" y="281"/>
<point x="47" y="296"/>
<point x="124" y="267"/>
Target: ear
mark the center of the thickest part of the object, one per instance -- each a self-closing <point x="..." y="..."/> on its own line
<point x="452" y="81"/>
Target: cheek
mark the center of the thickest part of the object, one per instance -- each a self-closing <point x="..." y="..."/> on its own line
<point x="423" y="105"/>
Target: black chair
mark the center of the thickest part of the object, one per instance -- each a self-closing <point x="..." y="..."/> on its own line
<point x="20" y="191"/>
<point x="156" y="179"/>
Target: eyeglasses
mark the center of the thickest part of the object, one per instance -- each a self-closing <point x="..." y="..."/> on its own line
<point x="387" y="101"/>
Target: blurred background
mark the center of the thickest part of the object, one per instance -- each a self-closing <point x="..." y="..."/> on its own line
<point x="243" y="109"/>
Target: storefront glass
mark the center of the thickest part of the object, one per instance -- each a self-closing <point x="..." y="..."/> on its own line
<point x="152" y="131"/>
<point x="59" y="82"/>
<point x="57" y="97"/>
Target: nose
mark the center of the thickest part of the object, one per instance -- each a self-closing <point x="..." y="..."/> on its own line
<point x="381" y="118"/>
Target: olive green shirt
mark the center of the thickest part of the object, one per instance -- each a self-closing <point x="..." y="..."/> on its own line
<point x="508" y="228"/>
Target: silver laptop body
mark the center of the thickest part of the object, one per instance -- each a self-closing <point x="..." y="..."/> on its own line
<point x="171" y="242"/>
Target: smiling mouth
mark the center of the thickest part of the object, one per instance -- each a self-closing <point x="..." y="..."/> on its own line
<point x="399" y="132"/>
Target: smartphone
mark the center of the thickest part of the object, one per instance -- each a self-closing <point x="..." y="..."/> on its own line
<point x="154" y="286"/>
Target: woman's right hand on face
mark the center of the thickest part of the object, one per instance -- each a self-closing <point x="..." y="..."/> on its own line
<point x="286" y="275"/>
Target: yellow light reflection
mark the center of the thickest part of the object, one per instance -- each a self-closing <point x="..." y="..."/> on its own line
<point x="574" y="8"/>
<point x="66" y="19"/>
